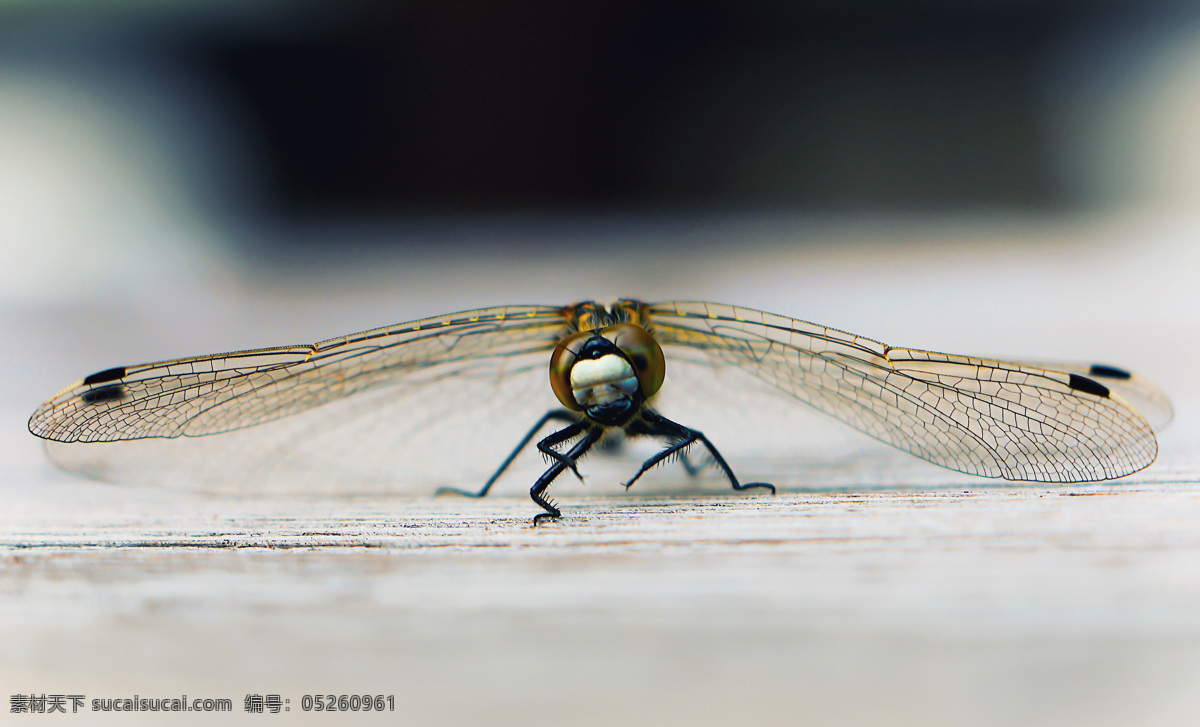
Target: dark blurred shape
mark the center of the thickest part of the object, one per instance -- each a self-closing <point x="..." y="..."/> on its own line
<point x="477" y="106"/>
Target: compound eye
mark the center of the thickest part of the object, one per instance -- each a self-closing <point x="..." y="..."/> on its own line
<point x="561" y="361"/>
<point x="643" y="353"/>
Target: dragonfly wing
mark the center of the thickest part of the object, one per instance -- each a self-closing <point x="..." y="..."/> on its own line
<point x="978" y="416"/>
<point x="213" y="394"/>
<point x="361" y="413"/>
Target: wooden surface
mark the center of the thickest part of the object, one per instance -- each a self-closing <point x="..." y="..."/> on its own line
<point x="1038" y="606"/>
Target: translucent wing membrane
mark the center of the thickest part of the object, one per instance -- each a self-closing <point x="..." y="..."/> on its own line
<point x="213" y="394"/>
<point x="979" y="416"/>
<point x="1146" y="398"/>
<point x="442" y="400"/>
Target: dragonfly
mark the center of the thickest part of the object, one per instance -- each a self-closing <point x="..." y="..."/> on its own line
<point x="607" y="365"/>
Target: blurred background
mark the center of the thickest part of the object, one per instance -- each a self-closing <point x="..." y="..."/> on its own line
<point x="288" y="113"/>
<point x="999" y="178"/>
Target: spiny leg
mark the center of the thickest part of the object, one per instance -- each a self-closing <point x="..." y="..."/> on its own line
<point x="546" y="446"/>
<point x="656" y="424"/>
<point x="536" y="492"/>
<point x="559" y="414"/>
<point x="639" y="427"/>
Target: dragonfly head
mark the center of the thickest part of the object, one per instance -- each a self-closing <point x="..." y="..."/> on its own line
<point x="607" y="373"/>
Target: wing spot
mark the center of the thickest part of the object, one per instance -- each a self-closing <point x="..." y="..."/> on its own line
<point x="101" y="377"/>
<point x="1088" y="386"/>
<point x="104" y="394"/>
<point x="1109" y="372"/>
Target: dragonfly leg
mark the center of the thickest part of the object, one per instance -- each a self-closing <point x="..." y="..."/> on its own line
<point x="546" y="446"/>
<point x="537" y="492"/>
<point x="553" y="414"/>
<point x="681" y="438"/>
